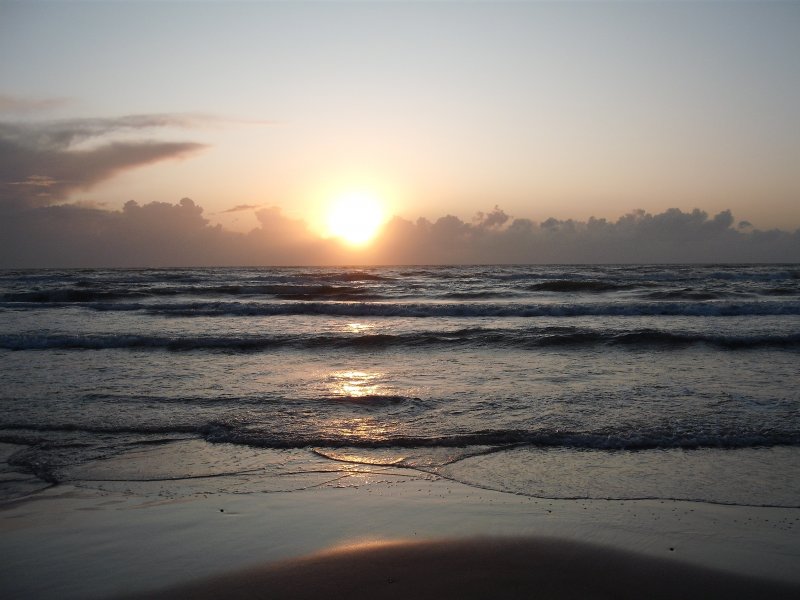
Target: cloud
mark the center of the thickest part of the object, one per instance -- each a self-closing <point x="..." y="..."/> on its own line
<point x="164" y="234"/>
<point x="40" y="163"/>
<point x="495" y="219"/>
<point x="62" y="133"/>
<point x="241" y="207"/>
<point x="638" y="237"/>
<point x="153" y="234"/>
<point x="25" y="105"/>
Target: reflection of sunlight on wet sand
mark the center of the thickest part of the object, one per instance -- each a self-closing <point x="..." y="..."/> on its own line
<point x="381" y="458"/>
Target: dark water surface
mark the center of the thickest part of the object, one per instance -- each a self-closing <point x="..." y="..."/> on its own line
<point x="557" y="381"/>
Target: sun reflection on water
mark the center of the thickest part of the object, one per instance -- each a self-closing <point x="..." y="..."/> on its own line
<point x="363" y="429"/>
<point x="355" y="384"/>
<point x="359" y="327"/>
<point x="367" y="389"/>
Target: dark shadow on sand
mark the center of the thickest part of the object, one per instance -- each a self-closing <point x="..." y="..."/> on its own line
<point x="491" y="568"/>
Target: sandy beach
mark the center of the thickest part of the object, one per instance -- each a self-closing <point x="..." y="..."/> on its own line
<point x="350" y="536"/>
<point x="480" y="568"/>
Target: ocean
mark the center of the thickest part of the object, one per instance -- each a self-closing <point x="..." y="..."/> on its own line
<point x="597" y="382"/>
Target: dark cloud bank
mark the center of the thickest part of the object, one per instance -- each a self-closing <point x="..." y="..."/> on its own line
<point x="163" y="234"/>
<point x="43" y="165"/>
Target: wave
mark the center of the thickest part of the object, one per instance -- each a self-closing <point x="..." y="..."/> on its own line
<point x="476" y="295"/>
<point x="781" y="291"/>
<point x="445" y="283"/>
<point x="510" y="338"/>
<point x="570" y="285"/>
<point x="83" y="295"/>
<point x="370" y="400"/>
<point x="687" y="294"/>
<point x="170" y="428"/>
<point x="502" y="438"/>
<point x="64" y="296"/>
<point x="691" y="293"/>
<point x="345" y="276"/>
<point x="459" y="309"/>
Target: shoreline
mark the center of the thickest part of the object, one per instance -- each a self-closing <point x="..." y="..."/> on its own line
<point x="73" y="542"/>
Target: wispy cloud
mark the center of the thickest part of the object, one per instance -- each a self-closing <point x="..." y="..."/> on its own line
<point x="241" y="208"/>
<point x="41" y="181"/>
<point x="40" y="163"/>
<point x="63" y="133"/>
<point x="24" y="105"/>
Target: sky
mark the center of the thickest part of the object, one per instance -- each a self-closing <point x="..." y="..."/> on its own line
<point x="170" y="133"/>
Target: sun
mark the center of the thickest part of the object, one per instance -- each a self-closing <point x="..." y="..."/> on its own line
<point x="355" y="217"/>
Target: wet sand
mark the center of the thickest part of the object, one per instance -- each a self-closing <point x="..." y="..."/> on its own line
<point x="349" y="537"/>
<point x="480" y="568"/>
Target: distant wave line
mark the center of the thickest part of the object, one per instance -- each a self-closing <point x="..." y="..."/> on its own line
<point x="523" y="338"/>
<point x="361" y="308"/>
<point x="80" y="295"/>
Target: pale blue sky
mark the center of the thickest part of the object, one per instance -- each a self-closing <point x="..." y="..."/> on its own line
<point x="563" y="109"/>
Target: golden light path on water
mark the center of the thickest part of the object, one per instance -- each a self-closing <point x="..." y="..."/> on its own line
<point x="359" y="327"/>
<point x="359" y="386"/>
<point x="356" y="384"/>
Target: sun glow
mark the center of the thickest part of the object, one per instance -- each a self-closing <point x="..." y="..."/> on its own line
<point x="355" y="217"/>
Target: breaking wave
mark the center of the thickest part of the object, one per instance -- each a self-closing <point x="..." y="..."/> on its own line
<point x="513" y="338"/>
<point x="640" y="439"/>
<point x="341" y="302"/>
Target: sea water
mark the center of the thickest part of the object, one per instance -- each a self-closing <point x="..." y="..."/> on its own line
<point x="617" y="382"/>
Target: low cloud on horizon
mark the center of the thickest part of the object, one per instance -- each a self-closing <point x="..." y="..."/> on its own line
<point x="43" y="163"/>
<point x="160" y="234"/>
